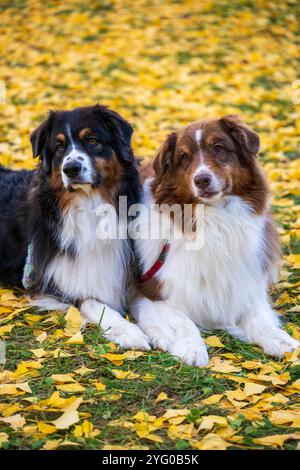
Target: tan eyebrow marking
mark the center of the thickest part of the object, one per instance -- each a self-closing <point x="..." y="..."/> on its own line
<point x="84" y="132"/>
<point x="61" y="137"/>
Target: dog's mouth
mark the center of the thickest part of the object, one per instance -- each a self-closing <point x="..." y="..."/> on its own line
<point x="85" y="186"/>
<point x="209" y="196"/>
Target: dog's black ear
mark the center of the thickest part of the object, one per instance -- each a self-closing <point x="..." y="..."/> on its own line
<point x="247" y="140"/>
<point x="121" y="130"/>
<point x="39" y="143"/>
<point x="163" y="159"/>
<point x="125" y="128"/>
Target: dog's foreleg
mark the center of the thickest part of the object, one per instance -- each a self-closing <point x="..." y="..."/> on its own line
<point x="170" y="330"/>
<point x="114" y="327"/>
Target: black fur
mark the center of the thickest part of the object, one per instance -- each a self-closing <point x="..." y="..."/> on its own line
<point x="13" y="224"/>
<point x="29" y="206"/>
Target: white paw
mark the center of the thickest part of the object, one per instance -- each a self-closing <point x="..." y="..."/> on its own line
<point x="128" y="337"/>
<point x="191" y="351"/>
<point x="160" y="337"/>
<point x="278" y="343"/>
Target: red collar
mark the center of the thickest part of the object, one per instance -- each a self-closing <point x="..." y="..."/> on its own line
<point x="157" y="265"/>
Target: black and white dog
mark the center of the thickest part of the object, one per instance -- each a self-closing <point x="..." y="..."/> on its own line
<point x="48" y="216"/>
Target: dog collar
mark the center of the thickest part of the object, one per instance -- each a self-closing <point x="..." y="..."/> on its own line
<point x="157" y="265"/>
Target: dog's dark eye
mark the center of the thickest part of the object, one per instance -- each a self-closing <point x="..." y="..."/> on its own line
<point x="59" y="147"/>
<point x="91" y="140"/>
<point x="217" y="148"/>
<point x="184" y="156"/>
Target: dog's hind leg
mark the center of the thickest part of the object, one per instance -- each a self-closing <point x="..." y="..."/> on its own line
<point x="262" y="327"/>
<point x="46" y="302"/>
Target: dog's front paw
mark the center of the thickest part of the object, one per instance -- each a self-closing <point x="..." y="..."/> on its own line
<point x="278" y="343"/>
<point x="128" y="337"/>
<point x="191" y="351"/>
<point x="160" y="336"/>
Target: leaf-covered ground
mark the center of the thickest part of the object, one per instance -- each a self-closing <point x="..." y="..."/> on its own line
<point x="161" y="65"/>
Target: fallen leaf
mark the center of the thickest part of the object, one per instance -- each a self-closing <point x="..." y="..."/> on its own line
<point x="253" y="389"/>
<point x="276" y="439"/>
<point x="3" y="438"/>
<point x="73" y="321"/>
<point x="71" y="388"/>
<point x="16" y="421"/>
<point x="161" y="397"/>
<point x="212" y="442"/>
<point x="45" y="428"/>
<point x="128" y="374"/>
<point x="214" y="341"/>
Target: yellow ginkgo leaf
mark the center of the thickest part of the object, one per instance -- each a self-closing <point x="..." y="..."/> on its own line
<point x="41" y="337"/>
<point x="253" y="389"/>
<point x="285" y="417"/>
<point x="208" y="422"/>
<point x="62" y="378"/>
<point x="9" y="410"/>
<point x="128" y="374"/>
<point x="39" y="352"/>
<point x="153" y="438"/>
<point x="99" y="386"/>
<point x="214" y="341"/>
<point x="67" y="419"/>
<point x="3" y="438"/>
<point x="212" y="442"/>
<point x="83" y="370"/>
<point x="76" y="339"/>
<point x="132" y="355"/>
<point x="224" y="367"/>
<point x="45" y="428"/>
<point x="276" y="440"/>
<point x="294" y="260"/>
<point x="116" y="359"/>
<point x="161" y="397"/>
<point x="5" y="329"/>
<point x="71" y="388"/>
<point x="73" y="321"/>
<point x="16" y="421"/>
<point x="53" y="444"/>
<point x="213" y="399"/>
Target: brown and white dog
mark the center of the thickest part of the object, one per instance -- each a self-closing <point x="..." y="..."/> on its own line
<point x="223" y="285"/>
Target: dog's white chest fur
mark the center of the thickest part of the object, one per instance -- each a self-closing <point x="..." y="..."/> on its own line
<point x="97" y="269"/>
<point x="216" y="284"/>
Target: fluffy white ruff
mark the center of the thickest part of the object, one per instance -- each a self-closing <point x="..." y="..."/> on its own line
<point x="98" y="270"/>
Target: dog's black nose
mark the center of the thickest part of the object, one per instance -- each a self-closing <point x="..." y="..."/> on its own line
<point x="202" y="180"/>
<point x="72" y="169"/>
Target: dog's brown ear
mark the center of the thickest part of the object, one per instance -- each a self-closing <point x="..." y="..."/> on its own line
<point x="39" y="140"/>
<point x="247" y="140"/>
<point x="163" y="159"/>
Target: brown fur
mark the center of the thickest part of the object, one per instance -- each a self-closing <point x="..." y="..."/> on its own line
<point x="150" y="289"/>
<point x="84" y="132"/>
<point x="146" y="171"/>
<point x="271" y="260"/>
<point x="111" y="172"/>
<point x="238" y="168"/>
<point x="61" y="138"/>
<point x="64" y="197"/>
